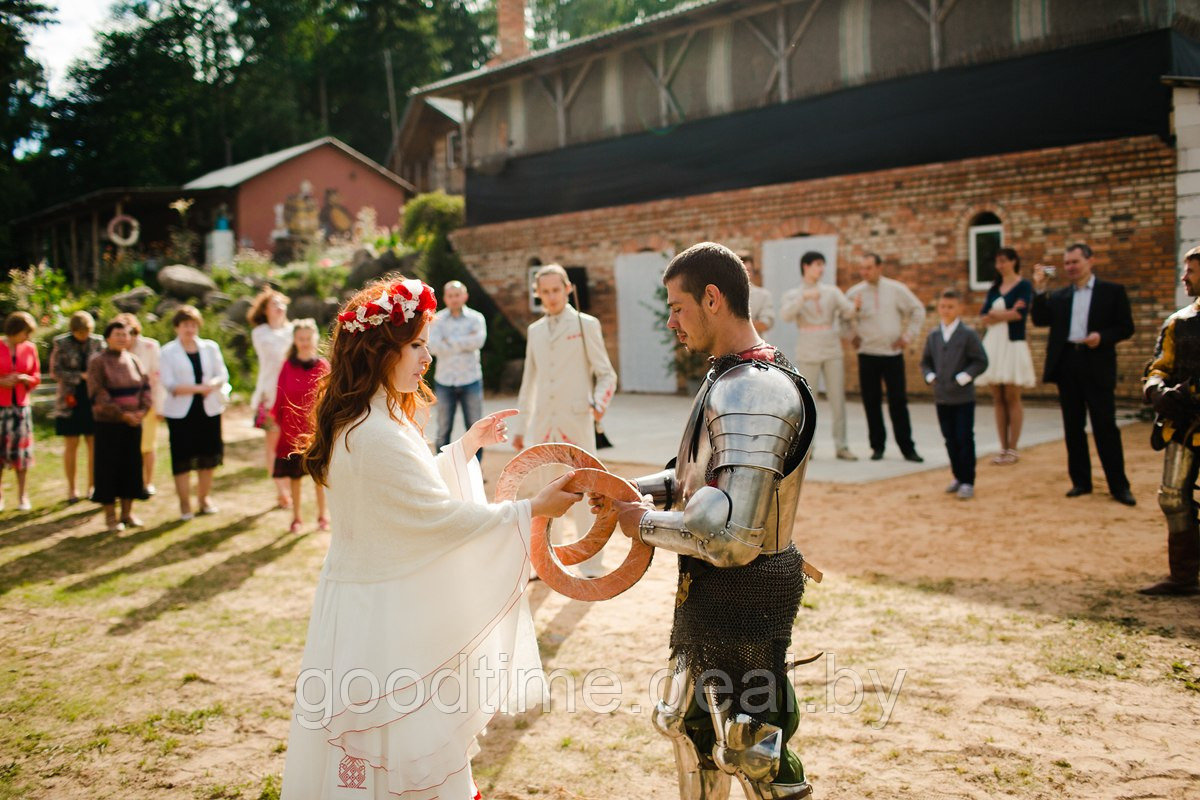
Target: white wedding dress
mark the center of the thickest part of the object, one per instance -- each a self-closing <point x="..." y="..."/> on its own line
<point x="420" y="630"/>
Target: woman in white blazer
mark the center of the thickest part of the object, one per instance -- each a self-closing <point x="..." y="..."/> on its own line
<point x="196" y="384"/>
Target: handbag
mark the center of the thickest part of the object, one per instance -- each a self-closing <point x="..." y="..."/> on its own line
<point x="602" y="441"/>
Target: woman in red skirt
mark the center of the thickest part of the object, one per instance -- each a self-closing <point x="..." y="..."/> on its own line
<point x="294" y="396"/>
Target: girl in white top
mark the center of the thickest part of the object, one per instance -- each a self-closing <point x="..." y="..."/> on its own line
<point x="272" y="338"/>
<point x="420" y="630"/>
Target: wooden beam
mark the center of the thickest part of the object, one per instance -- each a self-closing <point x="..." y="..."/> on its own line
<point x="804" y="23"/>
<point x="75" y="254"/>
<point x="577" y="82"/>
<point x="678" y="59"/>
<point x="762" y="37"/>
<point x="560" y="109"/>
<point x="781" y="55"/>
<point x="921" y="12"/>
<point x="95" y="247"/>
<point x="944" y="11"/>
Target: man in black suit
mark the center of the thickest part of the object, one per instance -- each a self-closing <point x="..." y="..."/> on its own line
<point x="1086" y="319"/>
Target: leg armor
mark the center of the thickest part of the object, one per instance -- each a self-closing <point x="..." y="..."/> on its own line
<point x="750" y="752"/>
<point x="1176" y="498"/>
<point x="695" y="783"/>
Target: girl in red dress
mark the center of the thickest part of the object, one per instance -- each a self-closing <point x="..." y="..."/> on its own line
<point x="295" y="393"/>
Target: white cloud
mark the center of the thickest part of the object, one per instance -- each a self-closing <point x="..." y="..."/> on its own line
<point x="71" y="38"/>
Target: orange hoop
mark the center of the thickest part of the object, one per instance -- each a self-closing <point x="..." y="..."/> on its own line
<point x="550" y="560"/>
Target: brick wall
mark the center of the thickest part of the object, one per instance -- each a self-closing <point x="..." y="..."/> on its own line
<point x="1119" y="196"/>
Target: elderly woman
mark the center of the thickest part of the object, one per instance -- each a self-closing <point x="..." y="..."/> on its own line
<point x="272" y="339"/>
<point x="69" y="358"/>
<point x="196" y="383"/>
<point x="19" y="373"/>
<point x="120" y="391"/>
<point x="148" y="352"/>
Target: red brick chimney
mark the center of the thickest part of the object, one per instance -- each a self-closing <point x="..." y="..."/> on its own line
<point x="510" y="18"/>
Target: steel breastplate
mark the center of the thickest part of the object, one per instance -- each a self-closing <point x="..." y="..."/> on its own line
<point x="695" y="455"/>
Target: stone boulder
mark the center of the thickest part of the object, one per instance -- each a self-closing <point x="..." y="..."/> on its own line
<point x="183" y="282"/>
<point x="133" y="300"/>
<point x="238" y="310"/>
<point x="367" y="271"/>
<point x="166" y="307"/>
<point x="215" y="300"/>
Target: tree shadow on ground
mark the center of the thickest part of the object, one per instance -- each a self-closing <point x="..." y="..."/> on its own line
<point x="225" y="576"/>
<point x="16" y="520"/>
<point x="24" y="534"/>
<point x="197" y="544"/>
<point x="236" y="478"/>
<point x="1089" y="600"/>
<point x="74" y="555"/>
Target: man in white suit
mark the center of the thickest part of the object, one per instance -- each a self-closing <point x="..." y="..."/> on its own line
<point x="567" y="384"/>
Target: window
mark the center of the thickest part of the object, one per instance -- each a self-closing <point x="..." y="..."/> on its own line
<point x="985" y="237"/>
<point x="453" y="138"/>
<point x="579" y="279"/>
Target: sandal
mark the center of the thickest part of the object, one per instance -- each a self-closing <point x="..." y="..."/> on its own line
<point x="322" y="523"/>
<point x="132" y="522"/>
<point x="296" y="526"/>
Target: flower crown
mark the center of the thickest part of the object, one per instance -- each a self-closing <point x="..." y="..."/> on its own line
<point x="397" y="303"/>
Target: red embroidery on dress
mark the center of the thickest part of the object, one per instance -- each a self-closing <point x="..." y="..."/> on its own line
<point x="353" y="773"/>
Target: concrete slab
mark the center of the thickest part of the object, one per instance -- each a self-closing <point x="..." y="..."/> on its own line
<point x="645" y="429"/>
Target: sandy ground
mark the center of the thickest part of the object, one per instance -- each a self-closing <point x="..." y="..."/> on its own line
<point x="999" y="645"/>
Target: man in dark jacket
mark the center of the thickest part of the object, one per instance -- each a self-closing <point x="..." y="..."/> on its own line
<point x="1086" y="320"/>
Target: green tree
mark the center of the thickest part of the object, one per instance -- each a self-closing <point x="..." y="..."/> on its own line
<point x="558" y="21"/>
<point x="22" y="96"/>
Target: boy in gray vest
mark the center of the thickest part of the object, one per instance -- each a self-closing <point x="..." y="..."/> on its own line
<point x="953" y="359"/>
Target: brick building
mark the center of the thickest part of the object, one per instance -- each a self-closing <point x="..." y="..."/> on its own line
<point x="928" y="132"/>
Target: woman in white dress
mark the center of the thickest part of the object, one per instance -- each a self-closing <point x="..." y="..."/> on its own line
<point x="1010" y="366"/>
<point x="420" y="630"/>
<point x="272" y="338"/>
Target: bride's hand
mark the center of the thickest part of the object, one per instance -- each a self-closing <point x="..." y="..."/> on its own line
<point x="491" y="429"/>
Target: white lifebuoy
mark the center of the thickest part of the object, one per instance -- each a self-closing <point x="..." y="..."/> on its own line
<point x="130" y="238"/>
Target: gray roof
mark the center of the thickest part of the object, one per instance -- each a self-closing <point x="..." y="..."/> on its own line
<point x="451" y="109"/>
<point x="237" y="174"/>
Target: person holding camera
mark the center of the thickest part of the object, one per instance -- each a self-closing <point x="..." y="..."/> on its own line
<point x="1086" y="319"/>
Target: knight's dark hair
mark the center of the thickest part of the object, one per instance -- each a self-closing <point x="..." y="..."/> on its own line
<point x="709" y="263"/>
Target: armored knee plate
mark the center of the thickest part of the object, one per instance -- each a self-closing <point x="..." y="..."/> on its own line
<point x="695" y="783"/>
<point x="748" y="749"/>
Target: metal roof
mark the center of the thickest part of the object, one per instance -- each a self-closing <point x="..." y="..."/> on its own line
<point x="237" y="174"/>
<point x="452" y="109"/>
<point x="649" y="26"/>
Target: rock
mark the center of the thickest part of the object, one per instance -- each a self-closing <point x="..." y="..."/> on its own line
<point x="306" y="306"/>
<point x="166" y="307"/>
<point x="361" y="256"/>
<point x="387" y="262"/>
<point x="133" y="300"/>
<point x="215" y="300"/>
<point x="183" y="282"/>
<point x="238" y="310"/>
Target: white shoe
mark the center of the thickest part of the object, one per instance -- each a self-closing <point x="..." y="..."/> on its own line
<point x="187" y="517"/>
<point x="25" y="505"/>
<point x="953" y="487"/>
<point x="966" y="491"/>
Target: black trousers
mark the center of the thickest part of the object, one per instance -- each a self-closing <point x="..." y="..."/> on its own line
<point x="1081" y="398"/>
<point x="874" y="373"/>
<point x="958" y="429"/>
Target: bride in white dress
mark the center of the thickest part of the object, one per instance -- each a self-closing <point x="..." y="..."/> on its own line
<point x="420" y="631"/>
<point x="1010" y="365"/>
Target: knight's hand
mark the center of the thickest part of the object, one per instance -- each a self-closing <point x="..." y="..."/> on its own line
<point x="1173" y="403"/>
<point x="629" y="515"/>
<point x="599" y="504"/>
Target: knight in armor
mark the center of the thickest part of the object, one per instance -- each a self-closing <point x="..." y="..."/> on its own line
<point x="726" y="506"/>
<point x="1172" y="381"/>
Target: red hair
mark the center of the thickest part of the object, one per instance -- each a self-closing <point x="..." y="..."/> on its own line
<point x="360" y="363"/>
